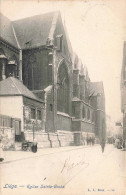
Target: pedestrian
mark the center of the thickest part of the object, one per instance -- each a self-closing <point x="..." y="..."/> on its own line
<point x="93" y="141"/>
<point x="102" y="145"/>
<point x="123" y="143"/>
<point x="87" y="141"/>
<point x="90" y="141"/>
<point x="1" y="151"/>
<point x="34" y="147"/>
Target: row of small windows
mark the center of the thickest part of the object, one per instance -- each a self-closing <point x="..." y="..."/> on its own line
<point x="88" y="114"/>
<point x="36" y="115"/>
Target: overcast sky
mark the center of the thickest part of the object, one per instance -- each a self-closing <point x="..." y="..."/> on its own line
<point x="96" y="32"/>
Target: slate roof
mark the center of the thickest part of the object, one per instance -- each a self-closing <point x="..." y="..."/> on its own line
<point x="69" y="43"/>
<point x="6" y="30"/>
<point x="12" y="87"/>
<point x="34" y="31"/>
<point x="96" y="88"/>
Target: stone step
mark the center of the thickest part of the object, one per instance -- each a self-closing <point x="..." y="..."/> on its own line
<point x="18" y="146"/>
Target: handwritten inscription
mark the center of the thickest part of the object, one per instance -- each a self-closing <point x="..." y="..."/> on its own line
<point x="68" y="166"/>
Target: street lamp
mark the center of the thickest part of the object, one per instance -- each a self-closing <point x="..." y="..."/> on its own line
<point x="33" y="123"/>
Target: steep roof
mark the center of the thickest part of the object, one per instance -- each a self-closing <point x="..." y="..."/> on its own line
<point x="34" y="31"/>
<point x="6" y="30"/>
<point x="96" y="88"/>
<point x="69" y="43"/>
<point x="12" y="86"/>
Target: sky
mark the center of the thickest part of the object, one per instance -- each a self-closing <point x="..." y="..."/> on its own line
<point x="96" y="30"/>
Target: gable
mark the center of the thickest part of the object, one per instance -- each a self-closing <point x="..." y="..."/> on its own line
<point x="33" y="31"/>
<point x="96" y="88"/>
<point x="7" y="31"/>
<point x="60" y="31"/>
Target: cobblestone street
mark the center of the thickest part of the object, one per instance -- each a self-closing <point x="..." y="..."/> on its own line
<point x="71" y="170"/>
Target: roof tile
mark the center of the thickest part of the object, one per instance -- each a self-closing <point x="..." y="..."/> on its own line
<point x="12" y="86"/>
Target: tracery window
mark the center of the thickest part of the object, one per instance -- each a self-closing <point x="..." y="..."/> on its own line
<point x="93" y="116"/>
<point x="83" y="112"/>
<point x="63" y="90"/>
<point x="88" y="114"/>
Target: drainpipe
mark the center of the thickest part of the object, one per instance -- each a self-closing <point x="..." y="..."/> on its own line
<point x="20" y="64"/>
<point x="54" y="90"/>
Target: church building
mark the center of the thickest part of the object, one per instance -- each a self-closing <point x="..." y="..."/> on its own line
<point x="37" y="51"/>
<point x="123" y="92"/>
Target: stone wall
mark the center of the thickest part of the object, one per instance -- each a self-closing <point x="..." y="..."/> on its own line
<point x="48" y="140"/>
<point x="63" y="122"/>
<point x="7" y="135"/>
<point x="40" y="137"/>
<point x="66" y="138"/>
<point x="101" y="124"/>
<point x="87" y="127"/>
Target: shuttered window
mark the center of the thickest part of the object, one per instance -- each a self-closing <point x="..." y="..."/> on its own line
<point x="33" y="113"/>
<point x="39" y="115"/>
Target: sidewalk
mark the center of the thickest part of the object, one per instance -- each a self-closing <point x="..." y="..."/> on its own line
<point x="11" y="156"/>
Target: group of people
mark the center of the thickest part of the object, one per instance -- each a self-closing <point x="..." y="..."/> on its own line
<point x="1" y="151"/>
<point x="90" y="141"/>
<point x="119" y="143"/>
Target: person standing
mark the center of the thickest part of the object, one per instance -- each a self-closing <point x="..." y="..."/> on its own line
<point x="1" y="151"/>
<point x="102" y="145"/>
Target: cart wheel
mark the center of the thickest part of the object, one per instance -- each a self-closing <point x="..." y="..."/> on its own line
<point x="24" y="148"/>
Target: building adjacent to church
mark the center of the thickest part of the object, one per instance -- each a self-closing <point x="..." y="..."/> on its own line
<point x="37" y="51"/>
<point x="123" y="91"/>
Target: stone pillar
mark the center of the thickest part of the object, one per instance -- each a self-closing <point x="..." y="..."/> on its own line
<point x="50" y="64"/>
<point x="78" y="109"/>
<point x="76" y="88"/>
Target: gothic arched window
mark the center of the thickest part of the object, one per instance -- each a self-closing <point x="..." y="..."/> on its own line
<point x="63" y="90"/>
<point x="93" y="116"/>
<point x="88" y="114"/>
<point x="83" y="112"/>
